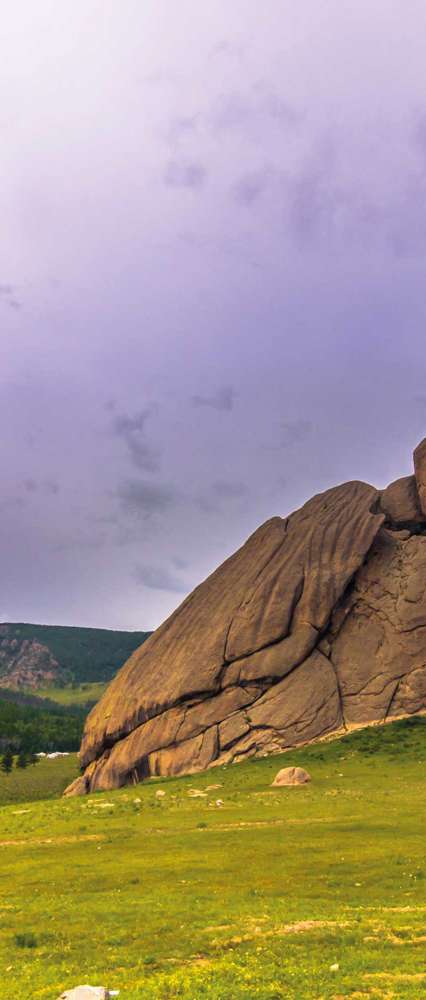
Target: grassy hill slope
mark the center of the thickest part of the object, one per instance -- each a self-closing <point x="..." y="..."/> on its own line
<point x="262" y="896"/>
<point x="36" y="655"/>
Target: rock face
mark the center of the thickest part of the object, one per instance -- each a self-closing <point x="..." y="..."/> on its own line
<point x="291" y="776"/>
<point x="318" y="621"/>
<point x="420" y="471"/>
<point x="27" y="664"/>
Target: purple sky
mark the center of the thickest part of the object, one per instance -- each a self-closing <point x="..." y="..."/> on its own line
<point x="212" y="283"/>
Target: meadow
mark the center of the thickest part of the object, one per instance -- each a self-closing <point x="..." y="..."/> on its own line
<point x="44" y="780"/>
<point x="76" y="694"/>
<point x="218" y="886"/>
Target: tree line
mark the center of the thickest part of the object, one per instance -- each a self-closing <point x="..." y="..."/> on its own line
<point x="21" y="760"/>
<point x="27" y="729"/>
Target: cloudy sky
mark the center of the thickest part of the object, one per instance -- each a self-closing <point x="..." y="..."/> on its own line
<point x="212" y="283"/>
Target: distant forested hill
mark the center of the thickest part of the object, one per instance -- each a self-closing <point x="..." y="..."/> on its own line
<point x="39" y="656"/>
<point x="34" y="724"/>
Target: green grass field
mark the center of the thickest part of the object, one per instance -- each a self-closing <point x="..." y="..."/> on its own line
<point x="44" y="780"/>
<point x="261" y="897"/>
<point x="73" y="695"/>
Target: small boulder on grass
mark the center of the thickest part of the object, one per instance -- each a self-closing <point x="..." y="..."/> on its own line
<point x="88" y="993"/>
<point x="291" y="776"/>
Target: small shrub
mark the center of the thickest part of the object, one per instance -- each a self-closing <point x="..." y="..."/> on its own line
<point x="26" y="940"/>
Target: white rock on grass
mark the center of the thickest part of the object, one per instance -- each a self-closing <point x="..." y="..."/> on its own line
<point x="88" y="993"/>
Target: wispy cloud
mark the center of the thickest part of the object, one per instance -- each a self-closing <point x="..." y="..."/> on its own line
<point x="229" y="490"/>
<point x="145" y="498"/>
<point x="252" y="109"/>
<point x="8" y="295"/>
<point x="249" y="187"/>
<point x="220" y="492"/>
<point x="131" y="429"/>
<point x="295" y="431"/>
<point x="185" y="175"/>
<point x="46" y="486"/>
<point x="159" y="578"/>
<point x="223" y="399"/>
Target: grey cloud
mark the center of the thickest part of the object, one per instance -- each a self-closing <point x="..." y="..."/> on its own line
<point x="227" y="490"/>
<point x="30" y="485"/>
<point x="251" y="186"/>
<point x="420" y="132"/>
<point x="253" y="109"/>
<point x="48" y="486"/>
<point x="407" y="228"/>
<point x="226" y="48"/>
<point x="321" y="209"/>
<point x="281" y="481"/>
<point x="51" y="487"/>
<point x="207" y="504"/>
<point x="223" y="399"/>
<point x="132" y="431"/>
<point x="159" y="578"/>
<point x="221" y="491"/>
<point x="183" y="127"/>
<point x="10" y="503"/>
<point x="242" y="110"/>
<point x="184" y="175"/>
<point x="144" y="498"/>
<point x="78" y="539"/>
<point x="180" y="563"/>
<point x="295" y="431"/>
<point x="309" y="204"/>
<point x="8" y="294"/>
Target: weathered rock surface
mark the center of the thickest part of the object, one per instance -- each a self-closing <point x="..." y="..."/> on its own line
<point x="318" y="621"/>
<point x="400" y="503"/>
<point x="420" y="471"/>
<point x="291" y="776"/>
<point x="27" y="664"/>
<point x="86" y="993"/>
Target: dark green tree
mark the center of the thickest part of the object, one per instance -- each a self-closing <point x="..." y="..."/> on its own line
<point x="22" y="760"/>
<point x="7" y="761"/>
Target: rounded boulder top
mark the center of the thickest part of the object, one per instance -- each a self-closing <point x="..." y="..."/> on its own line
<point x="88" y="993"/>
<point x="291" y="776"/>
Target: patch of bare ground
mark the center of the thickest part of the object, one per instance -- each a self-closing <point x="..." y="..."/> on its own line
<point x="396" y="909"/>
<point x="397" y="977"/>
<point x="360" y="995"/>
<point x="300" y="927"/>
<point x="48" y="841"/>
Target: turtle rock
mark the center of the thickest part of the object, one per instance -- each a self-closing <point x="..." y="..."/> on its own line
<point x="317" y="622"/>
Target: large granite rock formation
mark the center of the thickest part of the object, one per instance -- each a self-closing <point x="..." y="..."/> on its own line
<point x="317" y="622"/>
